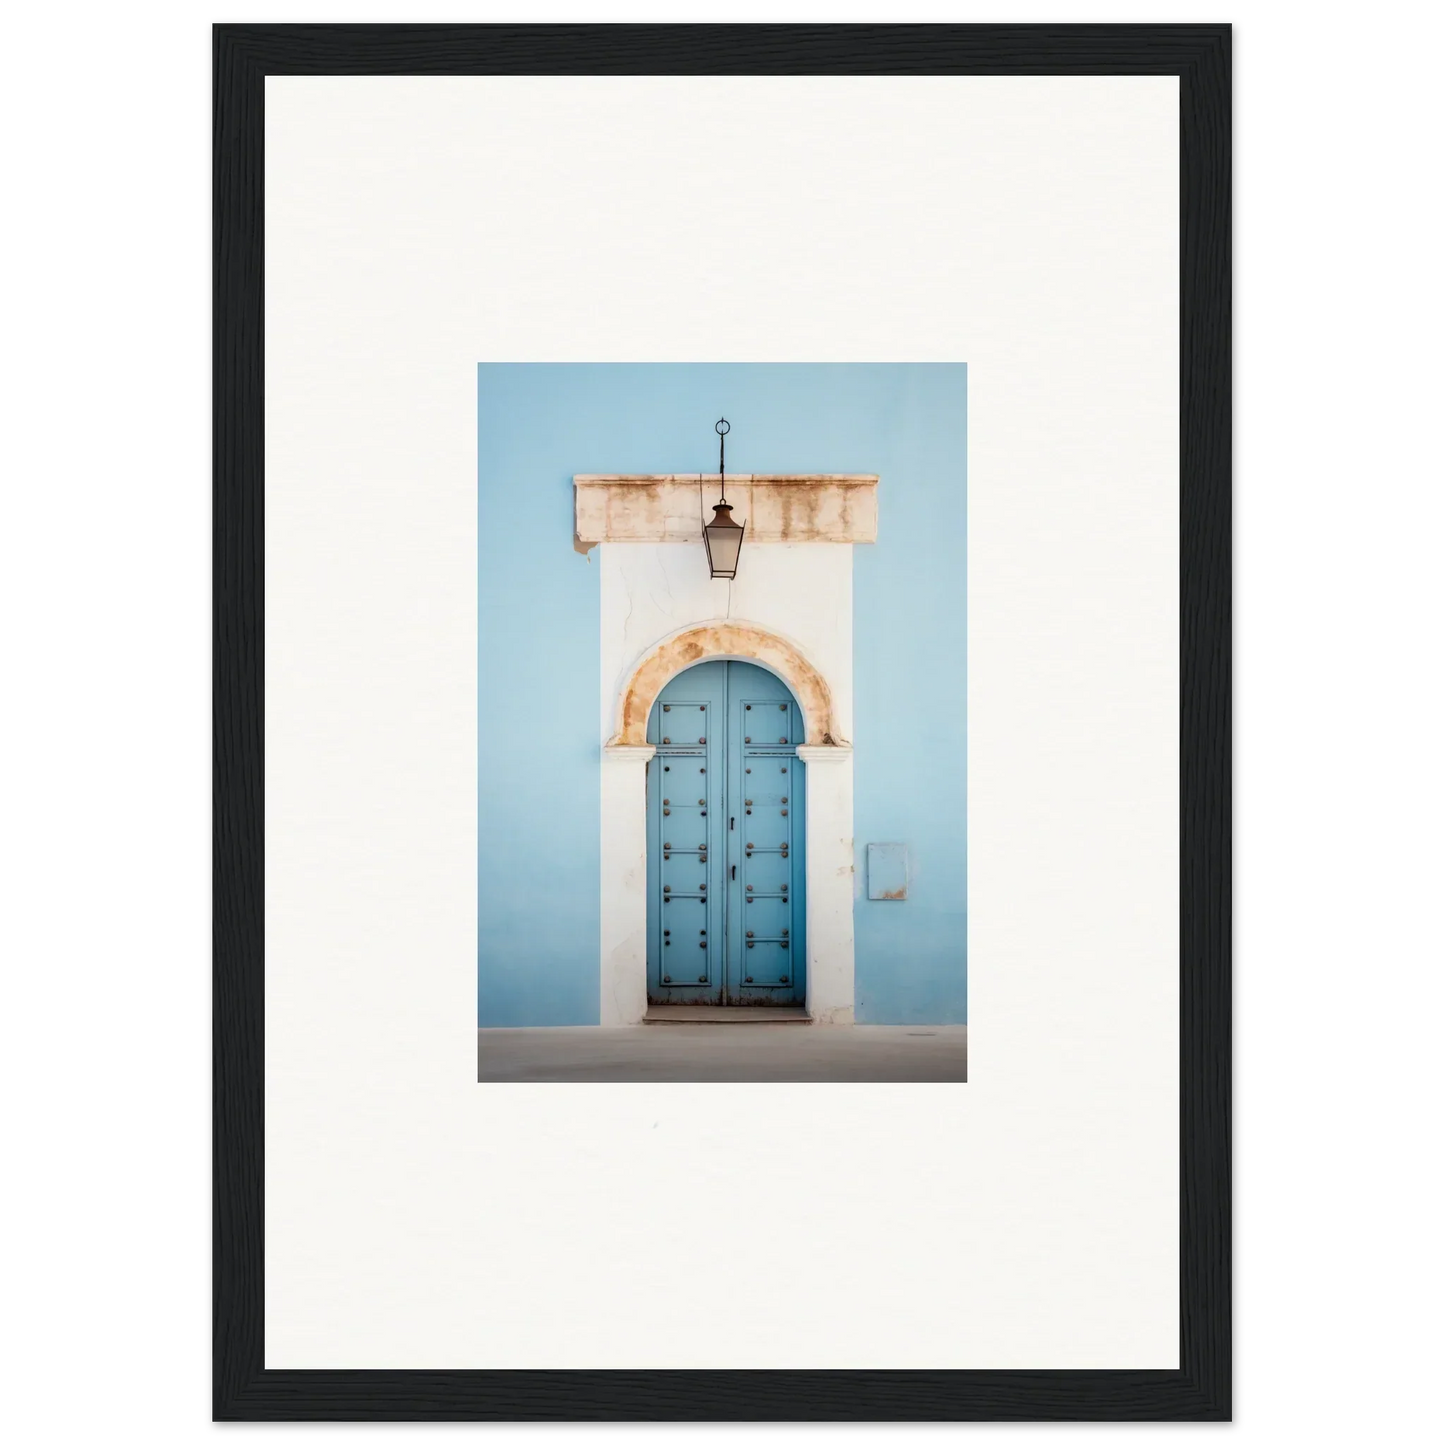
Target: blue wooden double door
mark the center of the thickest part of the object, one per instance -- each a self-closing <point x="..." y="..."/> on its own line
<point x="725" y="844"/>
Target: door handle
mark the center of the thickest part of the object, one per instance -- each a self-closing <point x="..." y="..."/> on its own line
<point x="735" y="872"/>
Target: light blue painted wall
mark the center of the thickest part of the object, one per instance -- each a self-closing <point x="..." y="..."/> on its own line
<point x="538" y="646"/>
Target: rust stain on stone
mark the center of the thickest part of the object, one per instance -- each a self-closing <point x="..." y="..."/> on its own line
<point x="795" y="512"/>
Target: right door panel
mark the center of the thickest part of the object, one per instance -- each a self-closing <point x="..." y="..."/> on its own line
<point x="766" y="946"/>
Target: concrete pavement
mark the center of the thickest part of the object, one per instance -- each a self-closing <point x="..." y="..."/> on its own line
<point x="736" y="1053"/>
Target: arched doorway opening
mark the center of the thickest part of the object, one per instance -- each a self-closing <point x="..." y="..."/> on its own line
<point x="726" y="840"/>
<point x="821" y="935"/>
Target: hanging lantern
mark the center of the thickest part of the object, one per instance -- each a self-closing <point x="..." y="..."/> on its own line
<point x="722" y="537"/>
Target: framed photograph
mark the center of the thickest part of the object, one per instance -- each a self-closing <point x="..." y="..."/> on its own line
<point x="722" y="722"/>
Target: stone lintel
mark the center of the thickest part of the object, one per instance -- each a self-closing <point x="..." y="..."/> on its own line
<point x="776" y="507"/>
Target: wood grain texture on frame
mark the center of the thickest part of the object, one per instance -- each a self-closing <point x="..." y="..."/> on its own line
<point x="243" y="56"/>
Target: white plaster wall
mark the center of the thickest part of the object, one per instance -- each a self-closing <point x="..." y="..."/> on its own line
<point x="830" y="883"/>
<point x="801" y="591"/>
<point x="624" y="882"/>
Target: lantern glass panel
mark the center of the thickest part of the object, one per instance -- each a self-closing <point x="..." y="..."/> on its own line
<point x="724" y="539"/>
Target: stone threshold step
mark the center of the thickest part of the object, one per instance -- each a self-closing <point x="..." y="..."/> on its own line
<point x="712" y="1014"/>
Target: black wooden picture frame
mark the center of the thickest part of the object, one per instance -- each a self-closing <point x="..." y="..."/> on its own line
<point x="243" y="1389"/>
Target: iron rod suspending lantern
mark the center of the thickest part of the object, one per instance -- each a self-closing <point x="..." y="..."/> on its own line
<point x="722" y="537"/>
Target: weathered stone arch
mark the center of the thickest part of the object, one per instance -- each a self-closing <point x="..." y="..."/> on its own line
<point x="742" y="640"/>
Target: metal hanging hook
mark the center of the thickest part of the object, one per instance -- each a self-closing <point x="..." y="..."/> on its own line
<point x="722" y="428"/>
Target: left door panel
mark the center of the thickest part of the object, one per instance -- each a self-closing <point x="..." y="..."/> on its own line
<point x="686" y="843"/>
